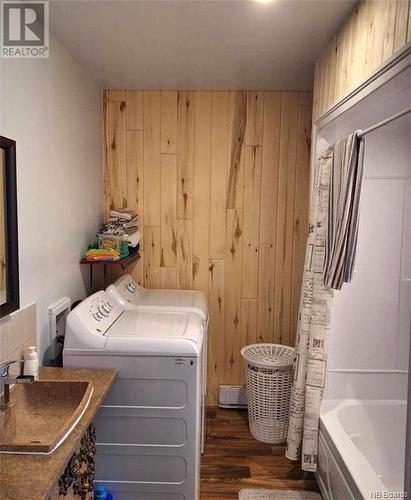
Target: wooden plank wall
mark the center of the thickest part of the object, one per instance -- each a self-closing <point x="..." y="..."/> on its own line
<point x="220" y="182"/>
<point x="375" y="31"/>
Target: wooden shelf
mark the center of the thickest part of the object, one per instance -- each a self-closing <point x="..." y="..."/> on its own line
<point x="124" y="262"/>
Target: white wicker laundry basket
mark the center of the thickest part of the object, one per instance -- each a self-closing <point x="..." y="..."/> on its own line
<point x="269" y="369"/>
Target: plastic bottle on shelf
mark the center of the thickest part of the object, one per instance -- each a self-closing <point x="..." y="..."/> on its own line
<point x="31" y="362"/>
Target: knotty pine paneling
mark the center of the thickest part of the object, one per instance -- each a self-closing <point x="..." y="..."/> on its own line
<point x="151" y="155"/>
<point x="374" y="31"/>
<point x="116" y="150"/>
<point x="216" y="307"/>
<point x="202" y="174"/>
<point x="168" y="208"/>
<point x="285" y="218"/>
<point x="233" y="268"/>
<point x="185" y="154"/>
<point x="220" y="151"/>
<point x="220" y="182"/>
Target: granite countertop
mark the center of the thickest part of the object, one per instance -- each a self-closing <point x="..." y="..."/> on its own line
<point x="34" y="476"/>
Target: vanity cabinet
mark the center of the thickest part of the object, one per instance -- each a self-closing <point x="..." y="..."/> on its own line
<point x="69" y="469"/>
<point x="76" y="482"/>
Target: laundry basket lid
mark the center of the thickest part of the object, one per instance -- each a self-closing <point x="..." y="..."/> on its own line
<point x="269" y="355"/>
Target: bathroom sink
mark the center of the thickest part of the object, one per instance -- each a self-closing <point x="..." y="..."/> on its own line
<point x="42" y="415"/>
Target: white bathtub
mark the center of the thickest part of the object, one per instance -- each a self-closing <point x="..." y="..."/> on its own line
<point x="361" y="449"/>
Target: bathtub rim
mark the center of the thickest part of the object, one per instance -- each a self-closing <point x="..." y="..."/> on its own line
<point x="360" y="476"/>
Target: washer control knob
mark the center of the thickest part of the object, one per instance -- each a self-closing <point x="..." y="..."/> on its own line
<point x="102" y="311"/>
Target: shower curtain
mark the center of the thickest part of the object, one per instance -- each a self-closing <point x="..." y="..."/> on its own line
<point x="330" y="256"/>
<point x="313" y="326"/>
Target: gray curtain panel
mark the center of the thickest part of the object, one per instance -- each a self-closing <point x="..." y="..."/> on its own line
<point x="343" y="211"/>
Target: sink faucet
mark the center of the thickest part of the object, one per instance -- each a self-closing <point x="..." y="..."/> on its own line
<point x="6" y="380"/>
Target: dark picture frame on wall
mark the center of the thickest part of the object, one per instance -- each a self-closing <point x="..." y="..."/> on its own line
<point x="12" y="302"/>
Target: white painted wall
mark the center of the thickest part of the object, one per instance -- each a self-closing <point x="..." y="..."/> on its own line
<point x="52" y="108"/>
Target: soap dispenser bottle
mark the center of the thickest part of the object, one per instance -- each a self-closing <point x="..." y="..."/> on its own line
<point x="31" y="362"/>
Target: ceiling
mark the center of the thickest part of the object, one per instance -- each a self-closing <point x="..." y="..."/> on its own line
<point x="195" y="44"/>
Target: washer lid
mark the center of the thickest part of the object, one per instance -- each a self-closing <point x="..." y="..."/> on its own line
<point x="174" y="300"/>
<point x="151" y="325"/>
<point x="128" y="294"/>
<point x="155" y="334"/>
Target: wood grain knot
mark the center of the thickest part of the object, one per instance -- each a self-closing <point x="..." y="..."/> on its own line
<point x="196" y="265"/>
<point x="174" y="243"/>
<point x="236" y="320"/>
<point x="183" y="251"/>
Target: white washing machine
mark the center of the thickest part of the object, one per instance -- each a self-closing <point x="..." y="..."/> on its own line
<point x="149" y="426"/>
<point x="128" y="294"/>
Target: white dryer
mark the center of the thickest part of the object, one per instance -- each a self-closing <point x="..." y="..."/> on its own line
<point x="128" y="294"/>
<point x="149" y="426"/>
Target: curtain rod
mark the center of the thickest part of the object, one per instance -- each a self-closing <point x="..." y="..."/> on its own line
<point x="388" y="120"/>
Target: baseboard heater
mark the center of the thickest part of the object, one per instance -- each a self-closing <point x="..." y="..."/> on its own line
<point x="232" y="396"/>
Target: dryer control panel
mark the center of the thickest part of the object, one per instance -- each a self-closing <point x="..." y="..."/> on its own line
<point x="131" y="286"/>
<point x="127" y="289"/>
<point x="97" y="312"/>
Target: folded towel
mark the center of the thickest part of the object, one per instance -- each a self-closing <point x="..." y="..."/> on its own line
<point x="131" y="230"/>
<point x="132" y="223"/>
<point x="95" y="254"/>
<point x="123" y="213"/>
<point x="133" y="239"/>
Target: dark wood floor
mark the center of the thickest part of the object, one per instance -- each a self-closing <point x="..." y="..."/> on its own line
<point x="233" y="460"/>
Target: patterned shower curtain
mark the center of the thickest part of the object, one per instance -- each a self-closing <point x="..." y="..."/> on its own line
<point x="313" y="327"/>
<point x="329" y="262"/>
